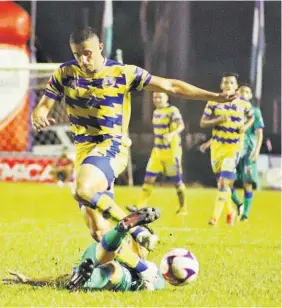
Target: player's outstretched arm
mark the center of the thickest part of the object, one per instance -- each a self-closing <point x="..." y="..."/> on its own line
<point x="39" y="116"/>
<point x="182" y="89"/>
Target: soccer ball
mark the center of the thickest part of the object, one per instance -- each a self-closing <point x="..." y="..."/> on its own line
<point x="179" y="267"/>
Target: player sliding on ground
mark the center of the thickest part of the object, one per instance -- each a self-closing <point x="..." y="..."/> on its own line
<point x="166" y="156"/>
<point x="96" y="92"/>
<point x="99" y="269"/>
<point x="228" y="122"/>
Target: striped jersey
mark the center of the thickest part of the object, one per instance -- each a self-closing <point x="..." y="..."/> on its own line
<point x="227" y="134"/>
<point x="165" y="120"/>
<point x="97" y="104"/>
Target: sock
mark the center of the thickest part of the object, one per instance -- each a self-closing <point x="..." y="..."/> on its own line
<point x="99" y="278"/>
<point x="131" y="259"/>
<point x="112" y="240"/>
<point x="248" y="199"/>
<point x="145" y="194"/>
<point x="235" y="197"/>
<point x="228" y="203"/>
<point x="107" y="205"/>
<point x="181" y="195"/>
<point x="220" y="200"/>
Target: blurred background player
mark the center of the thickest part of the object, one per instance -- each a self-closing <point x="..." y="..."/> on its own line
<point x="96" y="92"/>
<point x="228" y="122"/>
<point x="166" y="156"/>
<point x="247" y="167"/>
<point x="62" y="169"/>
<point x="99" y="268"/>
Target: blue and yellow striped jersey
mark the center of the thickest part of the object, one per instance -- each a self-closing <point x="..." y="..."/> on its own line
<point x="165" y="120"/>
<point x="99" y="104"/>
<point x="227" y="134"/>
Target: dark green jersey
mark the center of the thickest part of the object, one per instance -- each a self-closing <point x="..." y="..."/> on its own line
<point x="250" y="135"/>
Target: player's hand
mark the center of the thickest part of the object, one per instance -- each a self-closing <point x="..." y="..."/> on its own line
<point x="226" y="97"/>
<point x="223" y="118"/>
<point x="40" y="122"/>
<point x="204" y="147"/>
<point x="18" y="278"/>
<point x="243" y="129"/>
<point x="168" y="136"/>
<point x="254" y="156"/>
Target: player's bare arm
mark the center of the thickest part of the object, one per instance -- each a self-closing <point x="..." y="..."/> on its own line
<point x="208" y="122"/>
<point x="259" y="135"/>
<point x="205" y="145"/>
<point x="39" y="116"/>
<point x="180" y="127"/>
<point x="185" y="90"/>
<point x="248" y="124"/>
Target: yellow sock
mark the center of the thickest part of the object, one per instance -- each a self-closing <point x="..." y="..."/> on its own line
<point x="181" y="195"/>
<point x="127" y="256"/>
<point x="107" y="205"/>
<point x="228" y="203"/>
<point x="145" y="194"/>
<point x="220" y="201"/>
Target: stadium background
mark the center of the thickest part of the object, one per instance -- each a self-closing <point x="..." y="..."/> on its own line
<point x="207" y="45"/>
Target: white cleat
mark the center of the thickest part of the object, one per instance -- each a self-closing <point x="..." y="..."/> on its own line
<point x="147" y="240"/>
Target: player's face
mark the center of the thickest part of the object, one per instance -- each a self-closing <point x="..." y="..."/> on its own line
<point x="245" y="93"/>
<point x="229" y="83"/>
<point x="88" y="54"/>
<point x="160" y="99"/>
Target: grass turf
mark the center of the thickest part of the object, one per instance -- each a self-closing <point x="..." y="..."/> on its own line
<point x="43" y="233"/>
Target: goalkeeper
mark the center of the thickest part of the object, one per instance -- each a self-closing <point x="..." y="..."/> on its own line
<point x="99" y="270"/>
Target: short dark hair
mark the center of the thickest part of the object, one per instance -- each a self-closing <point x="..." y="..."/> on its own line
<point x="80" y="35"/>
<point x="246" y="84"/>
<point x="229" y="74"/>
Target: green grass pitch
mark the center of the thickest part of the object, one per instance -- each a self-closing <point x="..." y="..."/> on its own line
<point x="43" y="233"/>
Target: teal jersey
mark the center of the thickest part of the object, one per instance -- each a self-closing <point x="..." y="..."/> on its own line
<point x="250" y="138"/>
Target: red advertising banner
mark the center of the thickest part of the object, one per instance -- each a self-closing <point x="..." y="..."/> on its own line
<point x="26" y="169"/>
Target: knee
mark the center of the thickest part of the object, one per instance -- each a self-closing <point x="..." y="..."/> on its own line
<point x="96" y="235"/>
<point x="84" y="192"/>
<point x="180" y="186"/>
<point x="149" y="180"/>
<point x="248" y="187"/>
<point x="223" y="183"/>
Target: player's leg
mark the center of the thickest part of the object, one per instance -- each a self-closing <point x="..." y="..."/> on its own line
<point x="108" y="249"/>
<point x="223" y="164"/>
<point x="180" y="187"/>
<point x="250" y="178"/>
<point x="153" y="169"/>
<point x="96" y="174"/>
<point x="234" y="195"/>
<point x="173" y="170"/>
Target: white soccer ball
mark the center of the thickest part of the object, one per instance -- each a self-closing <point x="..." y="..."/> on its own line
<point x="179" y="267"/>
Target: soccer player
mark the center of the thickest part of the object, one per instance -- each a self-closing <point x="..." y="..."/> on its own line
<point x="228" y="122"/>
<point x="97" y="95"/>
<point x="99" y="269"/>
<point x="246" y="168"/>
<point x="62" y="169"/>
<point x="166" y="155"/>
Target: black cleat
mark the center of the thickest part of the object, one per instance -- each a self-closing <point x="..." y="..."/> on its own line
<point x="132" y="208"/>
<point x="244" y="218"/>
<point x="139" y="217"/>
<point x="79" y="277"/>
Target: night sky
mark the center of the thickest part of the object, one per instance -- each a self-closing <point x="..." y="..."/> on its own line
<point x="219" y="39"/>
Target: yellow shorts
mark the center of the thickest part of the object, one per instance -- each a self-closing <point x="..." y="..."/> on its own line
<point x="171" y="166"/>
<point x="224" y="162"/>
<point x="109" y="155"/>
